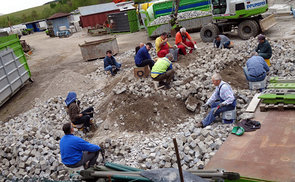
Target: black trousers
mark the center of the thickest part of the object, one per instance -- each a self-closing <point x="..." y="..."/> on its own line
<point x="146" y="62"/>
<point x="168" y="76"/>
<point x="85" y="119"/>
<point x="87" y="156"/>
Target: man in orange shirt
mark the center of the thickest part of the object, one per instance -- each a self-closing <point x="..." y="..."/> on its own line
<point x="182" y="44"/>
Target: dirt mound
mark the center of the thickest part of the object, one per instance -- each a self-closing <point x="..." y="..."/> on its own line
<point x="134" y="113"/>
<point x="235" y="76"/>
<point x="66" y="81"/>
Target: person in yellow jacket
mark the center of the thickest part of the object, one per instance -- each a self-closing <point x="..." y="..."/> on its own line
<point x="162" y="71"/>
<point x="162" y="45"/>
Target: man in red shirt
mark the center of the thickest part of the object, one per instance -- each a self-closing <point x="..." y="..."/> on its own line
<point x="162" y="45"/>
<point x="181" y="42"/>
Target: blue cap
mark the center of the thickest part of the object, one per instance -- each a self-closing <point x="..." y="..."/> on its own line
<point x="72" y="96"/>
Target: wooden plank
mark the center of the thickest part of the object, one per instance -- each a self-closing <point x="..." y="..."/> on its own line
<point x="254" y="103"/>
<point x="262" y="108"/>
<point x="157" y="87"/>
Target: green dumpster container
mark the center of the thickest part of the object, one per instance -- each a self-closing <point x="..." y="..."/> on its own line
<point x="14" y="70"/>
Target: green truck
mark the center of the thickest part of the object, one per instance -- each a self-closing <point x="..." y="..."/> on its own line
<point x="164" y="8"/>
<point x="226" y="15"/>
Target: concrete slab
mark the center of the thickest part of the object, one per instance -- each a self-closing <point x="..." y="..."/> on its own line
<point x="267" y="153"/>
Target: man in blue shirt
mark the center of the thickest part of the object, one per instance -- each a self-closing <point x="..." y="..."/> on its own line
<point x="221" y="41"/>
<point x="143" y="58"/>
<point x="110" y="63"/>
<point x="256" y="68"/>
<point x="75" y="151"/>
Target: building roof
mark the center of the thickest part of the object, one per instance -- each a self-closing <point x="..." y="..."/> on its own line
<point x="125" y="6"/>
<point x="58" y="15"/>
<point x="35" y="21"/>
<point x="99" y="8"/>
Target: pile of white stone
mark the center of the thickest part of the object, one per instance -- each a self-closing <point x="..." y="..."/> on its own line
<point x="180" y="16"/>
<point x="196" y="146"/>
<point x="29" y="143"/>
<point x="195" y="79"/>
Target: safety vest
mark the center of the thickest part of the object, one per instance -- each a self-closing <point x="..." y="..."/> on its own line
<point x="160" y="67"/>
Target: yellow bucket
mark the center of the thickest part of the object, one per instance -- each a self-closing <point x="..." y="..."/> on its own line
<point x="267" y="61"/>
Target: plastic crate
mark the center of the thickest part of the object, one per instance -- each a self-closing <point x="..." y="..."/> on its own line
<point x="257" y="85"/>
<point x="229" y="117"/>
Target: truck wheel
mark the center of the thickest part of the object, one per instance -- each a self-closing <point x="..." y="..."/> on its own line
<point x="209" y="32"/>
<point x="247" y="29"/>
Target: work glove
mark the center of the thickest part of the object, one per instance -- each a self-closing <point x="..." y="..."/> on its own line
<point x="195" y="46"/>
<point x="222" y="104"/>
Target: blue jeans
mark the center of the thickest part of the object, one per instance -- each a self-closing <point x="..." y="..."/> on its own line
<point x="225" y="45"/>
<point x="251" y="78"/>
<point x="110" y="67"/>
<point x="211" y="117"/>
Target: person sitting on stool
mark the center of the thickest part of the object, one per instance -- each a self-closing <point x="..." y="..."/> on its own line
<point x="182" y="43"/>
<point x="220" y="101"/>
<point x="74" y="111"/>
<point x="162" y="45"/>
<point x="143" y="58"/>
<point x="75" y="151"/>
<point x="256" y="68"/>
<point x="264" y="49"/>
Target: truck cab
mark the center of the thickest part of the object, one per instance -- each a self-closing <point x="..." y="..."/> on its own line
<point x="245" y="16"/>
<point x="235" y="9"/>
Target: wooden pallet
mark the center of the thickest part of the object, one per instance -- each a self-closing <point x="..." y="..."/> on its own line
<point x="281" y="107"/>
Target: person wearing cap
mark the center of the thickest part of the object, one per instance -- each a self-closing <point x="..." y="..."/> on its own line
<point x="162" y="70"/>
<point x="263" y="49"/>
<point x="182" y="43"/>
<point x="143" y="58"/>
<point x="75" y="151"/>
<point x="256" y="68"/>
<point x="221" y="41"/>
<point x="162" y="45"/>
<point x="220" y="101"/>
<point x="74" y="113"/>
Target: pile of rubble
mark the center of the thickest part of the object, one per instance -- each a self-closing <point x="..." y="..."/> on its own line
<point x="196" y="146"/>
<point x="180" y="16"/>
<point x="29" y="143"/>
